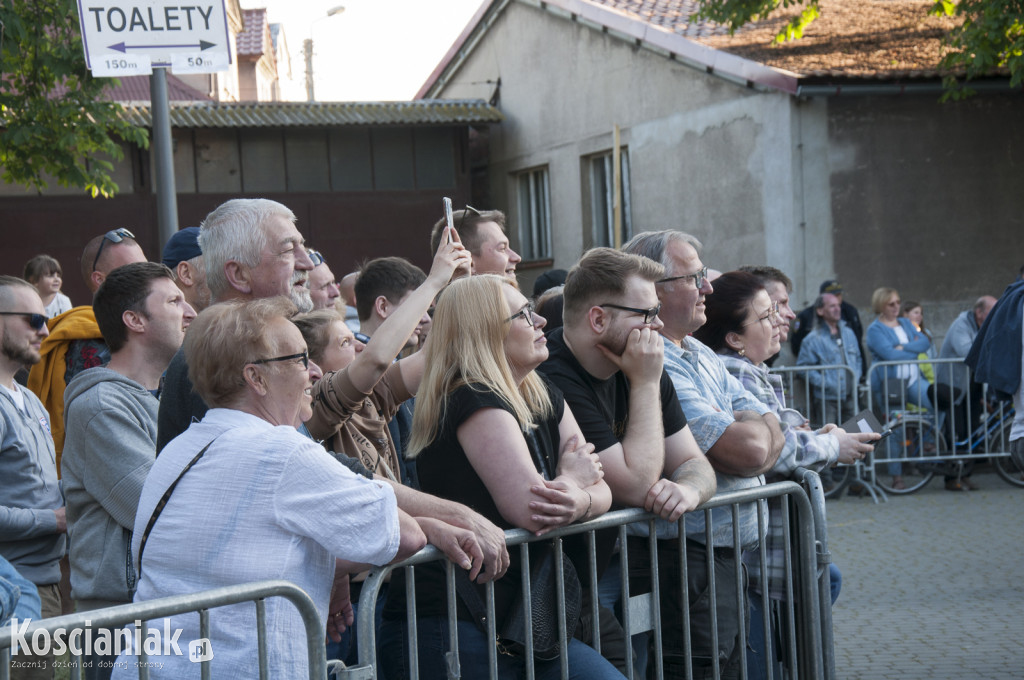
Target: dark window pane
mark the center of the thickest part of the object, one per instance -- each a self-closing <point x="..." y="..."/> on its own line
<point x="392" y="159"/>
<point x="435" y="158"/>
<point x="306" y="155"/>
<point x="351" y="163"/>
<point x="262" y="161"/>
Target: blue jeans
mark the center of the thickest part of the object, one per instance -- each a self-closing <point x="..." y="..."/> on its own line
<point x="432" y="635"/>
<point x="348" y="649"/>
<point x="756" y="652"/>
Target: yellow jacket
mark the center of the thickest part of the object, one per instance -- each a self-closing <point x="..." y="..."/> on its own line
<point x="46" y="378"/>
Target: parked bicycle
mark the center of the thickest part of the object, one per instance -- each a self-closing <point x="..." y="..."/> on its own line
<point x="916" y="451"/>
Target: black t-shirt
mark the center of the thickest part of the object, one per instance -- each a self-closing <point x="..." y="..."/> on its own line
<point x="445" y="471"/>
<point x="601" y="407"/>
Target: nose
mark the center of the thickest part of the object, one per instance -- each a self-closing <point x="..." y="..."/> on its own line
<point x="705" y="287"/>
<point x="359" y="345"/>
<point x="188" y="313"/>
<point x="513" y="257"/>
<point x="302" y="260"/>
<point x="539" y="321"/>
<point x="656" y="323"/>
<point x="314" y="371"/>
<point x="333" y="292"/>
<point x="43" y="331"/>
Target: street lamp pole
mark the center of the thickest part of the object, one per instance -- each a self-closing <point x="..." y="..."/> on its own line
<point x="307" y="51"/>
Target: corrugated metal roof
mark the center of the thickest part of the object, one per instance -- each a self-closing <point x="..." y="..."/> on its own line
<point x="310" y="114"/>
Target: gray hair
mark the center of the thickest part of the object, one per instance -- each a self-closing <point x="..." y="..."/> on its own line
<point x="654" y="244"/>
<point x="234" y="232"/>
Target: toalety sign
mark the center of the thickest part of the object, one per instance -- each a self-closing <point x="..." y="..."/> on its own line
<point x="87" y="641"/>
<point x="130" y="37"/>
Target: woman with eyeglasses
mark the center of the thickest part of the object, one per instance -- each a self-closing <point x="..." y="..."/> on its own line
<point x="743" y="326"/>
<point x="891" y="337"/>
<point x="242" y="496"/>
<point x="489" y="432"/>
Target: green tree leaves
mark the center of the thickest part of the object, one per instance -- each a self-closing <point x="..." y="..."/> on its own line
<point x="55" y="123"/>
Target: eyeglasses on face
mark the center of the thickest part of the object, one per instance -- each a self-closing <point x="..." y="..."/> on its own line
<point x="526" y="312"/>
<point x="114" y="236"/>
<point x="772" y="316"/>
<point x="649" y="314"/>
<point x="303" y="356"/>
<point x="315" y="257"/>
<point x="698" y="277"/>
<point x="35" y="321"/>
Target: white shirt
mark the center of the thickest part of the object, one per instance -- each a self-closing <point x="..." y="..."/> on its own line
<point x="264" y="502"/>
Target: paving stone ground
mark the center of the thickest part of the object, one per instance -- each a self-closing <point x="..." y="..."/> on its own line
<point x="933" y="584"/>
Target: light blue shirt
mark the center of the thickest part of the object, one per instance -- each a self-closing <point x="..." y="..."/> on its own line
<point x="709" y="395"/>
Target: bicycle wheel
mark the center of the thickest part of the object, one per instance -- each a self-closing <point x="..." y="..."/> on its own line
<point x="908" y="453"/>
<point x="1009" y="469"/>
<point x="841" y="476"/>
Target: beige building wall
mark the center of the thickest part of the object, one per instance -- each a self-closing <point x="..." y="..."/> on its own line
<point x="726" y="163"/>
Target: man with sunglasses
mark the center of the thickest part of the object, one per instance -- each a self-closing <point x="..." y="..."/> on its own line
<point x="741" y="438"/>
<point x="483" y="234"/>
<point x="323" y="287"/>
<point x="607" y="360"/>
<point x="110" y="419"/>
<point x="75" y="342"/>
<point x="32" y="519"/>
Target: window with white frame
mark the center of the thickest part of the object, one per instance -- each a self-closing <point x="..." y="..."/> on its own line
<point x="534" y="214"/>
<point x="602" y="198"/>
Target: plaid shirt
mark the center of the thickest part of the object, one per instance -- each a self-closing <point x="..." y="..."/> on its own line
<point x="803" y="448"/>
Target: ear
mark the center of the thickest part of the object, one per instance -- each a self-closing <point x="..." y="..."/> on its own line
<point x="254" y="379"/>
<point x="133" y="321"/>
<point x="598" y="319"/>
<point x="97" y="279"/>
<point x="239" y="277"/>
<point x="184" y="273"/>
<point x="382" y="307"/>
<point x="734" y="340"/>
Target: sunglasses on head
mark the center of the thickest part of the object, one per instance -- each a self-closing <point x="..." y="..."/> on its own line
<point x="36" y="321"/>
<point x="315" y="257"/>
<point x="114" y="236"/>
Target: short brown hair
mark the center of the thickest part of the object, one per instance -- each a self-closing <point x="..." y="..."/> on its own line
<point x="602" y="272"/>
<point x="126" y="288"/>
<point x="467" y="223"/>
<point x="391" y="277"/>
<point x="224" y="338"/>
<point x="767" y="274"/>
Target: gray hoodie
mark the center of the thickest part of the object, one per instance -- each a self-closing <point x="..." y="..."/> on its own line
<point x="109" y="446"/>
<point x="29" y="491"/>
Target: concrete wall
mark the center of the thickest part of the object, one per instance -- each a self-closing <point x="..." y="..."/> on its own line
<point x="928" y="198"/>
<point x="706" y="156"/>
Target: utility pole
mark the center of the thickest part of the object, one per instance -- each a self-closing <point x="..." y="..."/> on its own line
<point x="307" y="52"/>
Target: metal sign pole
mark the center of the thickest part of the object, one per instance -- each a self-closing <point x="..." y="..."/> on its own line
<point x="166" y="197"/>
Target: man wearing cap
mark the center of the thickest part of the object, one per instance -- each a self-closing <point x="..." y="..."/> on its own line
<point x="184" y="258"/>
<point x="804" y="323"/>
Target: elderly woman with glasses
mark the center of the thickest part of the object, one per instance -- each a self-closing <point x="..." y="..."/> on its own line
<point x="743" y="326"/>
<point x="242" y="496"/>
<point x="489" y="432"/>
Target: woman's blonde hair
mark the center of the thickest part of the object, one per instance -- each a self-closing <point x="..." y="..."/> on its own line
<point x="467" y="347"/>
<point x="880" y="297"/>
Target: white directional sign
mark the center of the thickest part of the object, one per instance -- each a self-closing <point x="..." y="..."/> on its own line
<point x="129" y="37"/>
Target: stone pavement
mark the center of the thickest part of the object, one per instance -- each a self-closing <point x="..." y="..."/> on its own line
<point x="933" y="584"/>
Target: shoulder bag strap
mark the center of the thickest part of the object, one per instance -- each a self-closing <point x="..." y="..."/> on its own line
<point x="163" y="502"/>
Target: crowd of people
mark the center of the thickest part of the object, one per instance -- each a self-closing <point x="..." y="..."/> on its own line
<point x="235" y="413"/>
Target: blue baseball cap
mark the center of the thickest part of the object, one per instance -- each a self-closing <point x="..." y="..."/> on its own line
<point x="184" y="245"/>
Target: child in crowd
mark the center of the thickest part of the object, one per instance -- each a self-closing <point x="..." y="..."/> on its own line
<point x="44" y="272"/>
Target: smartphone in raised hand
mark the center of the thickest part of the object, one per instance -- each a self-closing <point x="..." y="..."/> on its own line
<point x="448" y="217"/>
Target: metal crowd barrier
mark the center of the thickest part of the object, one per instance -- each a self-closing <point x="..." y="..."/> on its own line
<point x="641" y="612"/>
<point x="963" y="424"/>
<point x="812" y="401"/>
<point x="180" y="604"/>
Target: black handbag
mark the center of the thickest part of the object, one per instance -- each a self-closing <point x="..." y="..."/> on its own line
<point x="543" y="608"/>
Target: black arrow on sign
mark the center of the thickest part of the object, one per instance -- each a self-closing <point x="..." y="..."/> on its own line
<point x="121" y="47"/>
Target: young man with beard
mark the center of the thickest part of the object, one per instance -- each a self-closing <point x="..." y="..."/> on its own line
<point x="32" y="520"/>
<point x="110" y="418"/>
